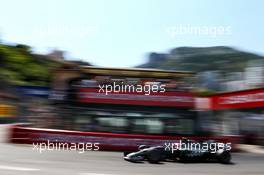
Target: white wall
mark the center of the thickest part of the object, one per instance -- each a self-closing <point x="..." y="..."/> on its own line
<point x="4" y="132"/>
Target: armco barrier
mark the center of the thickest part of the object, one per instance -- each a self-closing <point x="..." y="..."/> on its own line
<point x="107" y="141"/>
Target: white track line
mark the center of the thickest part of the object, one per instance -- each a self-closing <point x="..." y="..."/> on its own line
<point x="94" y="174"/>
<point x="4" y="167"/>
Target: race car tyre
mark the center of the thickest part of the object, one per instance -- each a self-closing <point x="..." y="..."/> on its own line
<point x="154" y="157"/>
<point x="225" y="157"/>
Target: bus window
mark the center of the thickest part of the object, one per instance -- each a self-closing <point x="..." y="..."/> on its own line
<point x="147" y="126"/>
<point x="112" y="124"/>
<point x="187" y="126"/>
<point x="154" y="126"/>
<point x="179" y="126"/>
<point x="139" y="126"/>
<point x="171" y="127"/>
<point x="84" y="123"/>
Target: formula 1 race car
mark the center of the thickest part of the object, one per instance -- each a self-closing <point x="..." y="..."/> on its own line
<point x="196" y="152"/>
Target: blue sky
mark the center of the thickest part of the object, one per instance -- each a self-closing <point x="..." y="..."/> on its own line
<point x="120" y="33"/>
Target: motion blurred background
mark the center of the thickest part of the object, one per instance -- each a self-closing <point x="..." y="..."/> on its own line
<point x="54" y="55"/>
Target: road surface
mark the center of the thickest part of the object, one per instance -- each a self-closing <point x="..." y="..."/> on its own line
<point x="23" y="160"/>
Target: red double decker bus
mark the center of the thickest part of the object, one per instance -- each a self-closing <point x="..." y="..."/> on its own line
<point x="132" y="101"/>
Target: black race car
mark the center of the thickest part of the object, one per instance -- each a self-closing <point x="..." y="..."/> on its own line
<point x="195" y="153"/>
